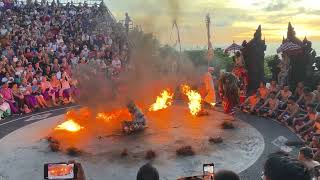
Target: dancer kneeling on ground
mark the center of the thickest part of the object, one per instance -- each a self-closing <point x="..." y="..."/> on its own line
<point x="290" y="112"/>
<point x="269" y="108"/>
<point x="303" y="124"/>
<point x="251" y="103"/>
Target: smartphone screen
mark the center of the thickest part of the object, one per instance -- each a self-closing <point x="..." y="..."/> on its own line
<point x="59" y="171"/>
<point x="208" y="169"/>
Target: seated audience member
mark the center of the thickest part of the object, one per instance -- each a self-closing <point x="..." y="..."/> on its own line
<point x="263" y="91"/>
<point x="306" y="157"/>
<point x="290" y="112"/>
<point x="251" y="103"/>
<point x="315" y="145"/>
<point x="5" y="110"/>
<point x="299" y="89"/>
<point x="226" y="175"/>
<point x="317" y="93"/>
<point x="283" y="95"/>
<point x="269" y="108"/>
<point x="36" y="92"/>
<point x="280" y="167"/>
<point x="274" y="87"/>
<point x="148" y="172"/>
<point x="8" y="96"/>
<point x="307" y="97"/>
<point x="306" y="122"/>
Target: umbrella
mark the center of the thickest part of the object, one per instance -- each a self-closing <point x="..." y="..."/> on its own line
<point x="233" y="48"/>
<point x="289" y="47"/>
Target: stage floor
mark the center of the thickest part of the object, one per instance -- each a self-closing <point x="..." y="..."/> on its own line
<point x="24" y="151"/>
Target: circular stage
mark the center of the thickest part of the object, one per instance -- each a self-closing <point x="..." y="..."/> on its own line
<point x="27" y="150"/>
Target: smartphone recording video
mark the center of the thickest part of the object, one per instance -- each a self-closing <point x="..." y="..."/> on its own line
<point x="56" y="171"/>
<point x="208" y="169"/>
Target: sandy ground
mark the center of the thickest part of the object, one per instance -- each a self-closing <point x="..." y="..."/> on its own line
<point x="24" y="151"/>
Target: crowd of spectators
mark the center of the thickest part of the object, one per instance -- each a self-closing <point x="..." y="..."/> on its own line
<point x="41" y="45"/>
<point x="298" y="110"/>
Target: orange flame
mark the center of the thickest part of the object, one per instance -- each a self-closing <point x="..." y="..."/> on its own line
<point x="194" y="99"/>
<point x="163" y="101"/>
<point x="116" y="114"/>
<point x="69" y="125"/>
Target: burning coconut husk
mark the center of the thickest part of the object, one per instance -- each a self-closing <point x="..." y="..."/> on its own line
<point x="203" y="113"/>
<point x="150" y="155"/>
<point x="54" y="144"/>
<point x="227" y="125"/>
<point x="73" y="151"/>
<point x="124" y="153"/>
<point x="216" y="140"/>
<point x="185" y="151"/>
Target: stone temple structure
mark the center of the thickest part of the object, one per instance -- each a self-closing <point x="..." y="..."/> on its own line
<point x="301" y="61"/>
<point x="253" y="54"/>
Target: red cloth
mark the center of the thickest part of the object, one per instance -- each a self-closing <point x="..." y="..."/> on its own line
<point x="241" y="73"/>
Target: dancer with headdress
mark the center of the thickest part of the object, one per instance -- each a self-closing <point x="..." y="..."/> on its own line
<point x="229" y="92"/>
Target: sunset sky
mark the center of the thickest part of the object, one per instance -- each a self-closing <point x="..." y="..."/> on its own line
<point x="232" y="19"/>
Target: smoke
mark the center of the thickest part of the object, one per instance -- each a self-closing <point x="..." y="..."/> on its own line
<point x="148" y="73"/>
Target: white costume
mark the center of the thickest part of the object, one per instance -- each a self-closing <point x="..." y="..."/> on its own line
<point x="209" y="86"/>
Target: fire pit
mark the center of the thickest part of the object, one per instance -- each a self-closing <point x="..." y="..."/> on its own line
<point x="168" y="130"/>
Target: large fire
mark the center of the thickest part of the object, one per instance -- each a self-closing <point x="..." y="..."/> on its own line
<point x="194" y="99"/>
<point x="163" y="101"/>
<point x="69" y="125"/>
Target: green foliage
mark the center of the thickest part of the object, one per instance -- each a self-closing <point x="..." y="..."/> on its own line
<point x="220" y="59"/>
<point x="267" y="69"/>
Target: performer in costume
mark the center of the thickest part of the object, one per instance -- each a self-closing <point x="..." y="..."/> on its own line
<point x="240" y="72"/>
<point x="229" y="91"/>
<point x="210" y="96"/>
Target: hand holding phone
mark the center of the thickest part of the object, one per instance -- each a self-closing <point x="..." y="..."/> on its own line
<point x="208" y="169"/>
<point x="76" y="174"/>
<point x="56" y="171"/>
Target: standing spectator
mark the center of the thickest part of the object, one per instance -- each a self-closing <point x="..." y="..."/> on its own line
<point x="127" y="22"/>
